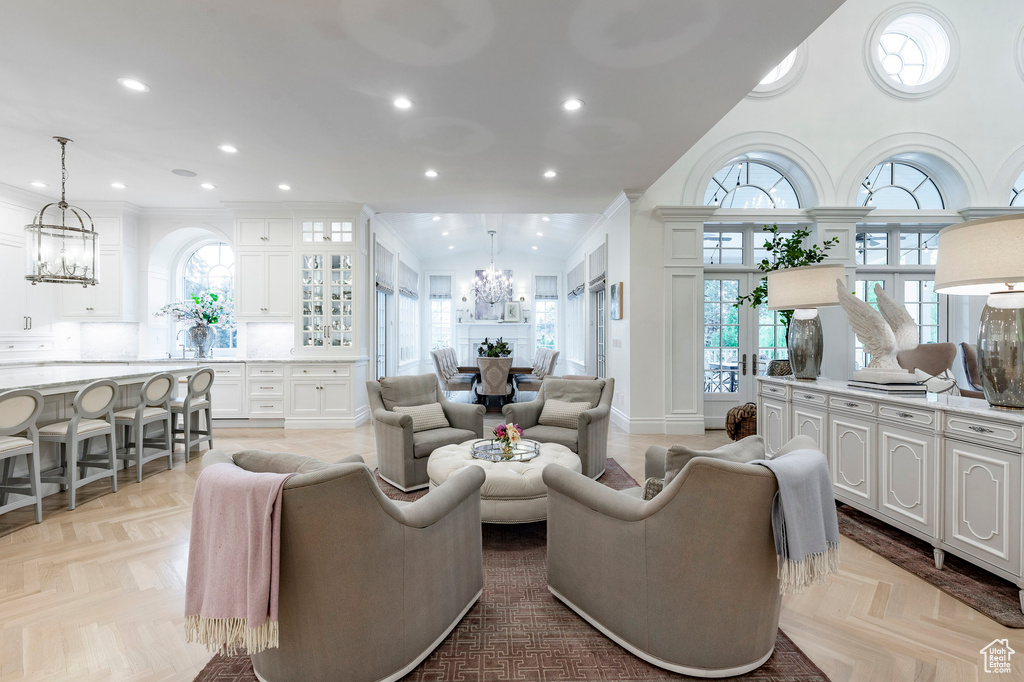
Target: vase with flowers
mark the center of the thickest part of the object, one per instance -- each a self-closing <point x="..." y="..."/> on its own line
<point x="204" y="311"/>
<point x="507" y="435"/>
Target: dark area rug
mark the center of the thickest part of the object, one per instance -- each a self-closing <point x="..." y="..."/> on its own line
<point x="519" y="631"/>
<point x="982" y="591"/>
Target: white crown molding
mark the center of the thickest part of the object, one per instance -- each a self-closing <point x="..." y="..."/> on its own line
<point x="976" y="212"/>
<point x="161" y="211"/>
<point x="687" y="214"/>
<point x="839" y="214"/>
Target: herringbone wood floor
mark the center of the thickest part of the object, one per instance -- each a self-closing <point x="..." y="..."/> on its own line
<point x="98" y="593"/>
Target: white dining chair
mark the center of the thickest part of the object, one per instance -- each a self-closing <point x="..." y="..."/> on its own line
<point x="93" y="418"/>
<point x="154" y="408"/>
<point x="195" y="402"/>
<point x="19" y="411"/>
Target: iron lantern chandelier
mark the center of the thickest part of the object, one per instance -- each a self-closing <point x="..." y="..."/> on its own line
<point x="492" y="286"/>
<point x="62" y="254"/>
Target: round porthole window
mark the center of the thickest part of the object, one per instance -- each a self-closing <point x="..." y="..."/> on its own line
<point x="911" y="51"/>
<point x="783" y="75"/>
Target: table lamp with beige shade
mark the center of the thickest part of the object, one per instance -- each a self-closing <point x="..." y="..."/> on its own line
<point x="803" y="290"/>
<point x="986" y="257"/>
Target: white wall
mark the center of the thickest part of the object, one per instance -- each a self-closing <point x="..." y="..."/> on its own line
<point x="383" y="234"/>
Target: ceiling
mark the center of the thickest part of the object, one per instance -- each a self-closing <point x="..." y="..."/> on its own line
<point x="305" y="90"/>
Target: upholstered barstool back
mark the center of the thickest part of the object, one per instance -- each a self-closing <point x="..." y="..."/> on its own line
<point x="93" y="418"/>
<point x="196" y="401"/>
<point x="154" y="408"/>
<point x="19" y="411"/>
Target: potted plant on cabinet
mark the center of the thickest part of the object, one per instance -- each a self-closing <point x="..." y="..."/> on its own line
<point x="204" y="310"/>
<point x="784" y="251"/>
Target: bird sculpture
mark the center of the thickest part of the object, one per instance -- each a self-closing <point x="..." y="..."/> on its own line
<point x="885" y="332"/>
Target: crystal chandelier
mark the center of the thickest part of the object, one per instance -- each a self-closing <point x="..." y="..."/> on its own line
<point x="63" y="254"/>
<point x="492" y="286"/>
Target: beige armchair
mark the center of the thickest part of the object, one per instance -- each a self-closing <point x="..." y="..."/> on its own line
<point x="368" y="587"/>
<point x="686" y="581"/>
<point x="589" y="439"/>
<point x="543" y="366"/>
<point x="402" y="452"/>
<point x="446" y="367"/>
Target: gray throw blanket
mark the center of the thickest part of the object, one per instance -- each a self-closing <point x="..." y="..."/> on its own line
<point x="803" y="519"/>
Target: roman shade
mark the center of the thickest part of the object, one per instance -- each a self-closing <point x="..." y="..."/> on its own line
<point x="574" y="283"/>
<point x="545" y="288"/>
<point x="408" y="281"/>
<point x="598" y="258"/>
<point x="440" y="287"/>
<point x="384" y="268"/>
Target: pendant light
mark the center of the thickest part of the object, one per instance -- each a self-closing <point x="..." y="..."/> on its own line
<point x="492" y="286"/>
<point x="62" y="254"/>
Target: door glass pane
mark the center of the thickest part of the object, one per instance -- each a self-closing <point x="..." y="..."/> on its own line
<point x="771" y="338"/>
<point x="721" y="336"/>
<point x="920" y="299"/>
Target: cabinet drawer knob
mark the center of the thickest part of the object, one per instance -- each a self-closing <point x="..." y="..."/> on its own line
<point x="904" y="415"/>
<point x="808" y="396"/>
<point x="979" y="429"/>
<point x="849" y="404"/>
<point x="266" y="406"/>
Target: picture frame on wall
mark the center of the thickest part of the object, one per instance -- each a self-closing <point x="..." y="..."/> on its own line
<point x="513" y="311"/>
<point x="615" y="310"/>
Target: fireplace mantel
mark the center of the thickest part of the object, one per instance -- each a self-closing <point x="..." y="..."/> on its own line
<point x="469" y="335"/>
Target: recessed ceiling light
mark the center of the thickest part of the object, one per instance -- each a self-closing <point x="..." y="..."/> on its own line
<point x="402" y="103"/>
<point x="550" y="173"/>
<point x="572" y="104"/>
<point x="36" y="183"/>
<point x="436" y="218"/>
<point x="451" y="246"/>
<point x="229" y="148"/>
<point x="133" y="84"/>
<point x="284" y="187"/>
<point x="207" y="185"/>
<point x="444" y="234"/>
<point x="118" y="185"/>
<point x="431" y="173"/>
<point x="546" y="219"/>
<point x="534" y="248"/>
<point x="184" y="173"/>
<point x="540" y="234"/>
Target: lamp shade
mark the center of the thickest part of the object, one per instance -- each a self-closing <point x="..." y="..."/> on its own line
<point x="981" y="257"/>
<point x="810" y="286"/>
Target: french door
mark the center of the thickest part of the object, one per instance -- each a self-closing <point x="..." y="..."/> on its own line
<point x="739" y="342"/>
<point x="599" y="331"/>
<point x="382" y="314"/>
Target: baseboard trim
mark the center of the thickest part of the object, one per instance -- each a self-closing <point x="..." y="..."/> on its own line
<point x="689" y="425"/>
<point x="620" y="419"/>
<point x="654" y="660"/>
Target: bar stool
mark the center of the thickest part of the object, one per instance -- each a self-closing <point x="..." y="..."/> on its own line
<point x="19" y="411"/>
<point x="93" y="418"/>
<point x="154" y="407"/>
<point x="196" y="400"/>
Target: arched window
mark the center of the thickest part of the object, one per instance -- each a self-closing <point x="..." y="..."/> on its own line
<point x="211" y="268"/>
<point x="899" y="185"/>
<point x="750" y="184"/>
<point x="1017" y="193"/>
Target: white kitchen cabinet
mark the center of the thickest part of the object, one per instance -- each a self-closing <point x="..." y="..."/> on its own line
<point x="321" y="394"/>
<point x="113" y="297"/>
<point x="263" y="285"/>
<point x="266" y="391"/>
<point x="809" y="417"/>
<point x="27" y="308"/>
<point x="771" y="423"/>
<point x="852" y="458"/>
<point x="908" y="477"/>
<point x="263" y="232"/>
<point x="327" y="301"/>
<point x="228" y="390"/>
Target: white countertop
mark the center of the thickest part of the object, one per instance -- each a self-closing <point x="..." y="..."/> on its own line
<point x="54" y="378"/>
<point x="975" y="407"/>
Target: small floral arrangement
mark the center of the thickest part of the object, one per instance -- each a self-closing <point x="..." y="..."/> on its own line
<point x="508" y="435"/>
<point x="208" y="308"/>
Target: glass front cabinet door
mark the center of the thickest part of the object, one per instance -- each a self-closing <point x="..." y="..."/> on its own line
<point x="327" y="301"/>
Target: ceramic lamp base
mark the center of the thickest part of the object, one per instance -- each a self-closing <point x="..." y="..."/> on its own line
<point x="805" y="344"/>
<point x="1001" y="349"/>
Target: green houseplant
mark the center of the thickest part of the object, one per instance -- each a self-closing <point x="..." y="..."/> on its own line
<point x="784" y="251"/>
<point x="498" y="349"/>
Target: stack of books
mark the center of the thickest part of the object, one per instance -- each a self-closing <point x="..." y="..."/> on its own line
<point x="896" y="388"/>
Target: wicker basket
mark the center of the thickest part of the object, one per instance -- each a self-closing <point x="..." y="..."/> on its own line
<point x="741" y="421"/>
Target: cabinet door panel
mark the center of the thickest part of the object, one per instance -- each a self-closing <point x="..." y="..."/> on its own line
<point x="852" y="458"/>
<point x="305" y="398"/>
<point x="279" y="284"/>
<point x="337" y="398"/>
<point x="773" y="425"/>
<point x="251" y="232"/>
<point x="249" y="282"/>
<point x="809" y="422"/>
<point x="279" y="232"/>
<point x="908" y="478"/>
<point x="13" y="283"/>
<point x="228" y="398"/>
<point x="106" y="296"/>
<point x="983" y="503"/>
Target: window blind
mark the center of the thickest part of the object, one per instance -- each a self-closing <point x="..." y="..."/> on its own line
<point x="574" y="283"/>
<point x="545" y="287"/>
<point x="408" y="281"/>
<point x="441" y="286"/>
<point x="597" y="268"/>
<point x="384" y="267"/>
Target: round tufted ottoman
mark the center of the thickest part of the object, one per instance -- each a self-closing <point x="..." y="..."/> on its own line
<point x="513" y="492"/>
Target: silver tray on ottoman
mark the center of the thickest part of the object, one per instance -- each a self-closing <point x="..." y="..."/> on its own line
<point x="490" y="450"/>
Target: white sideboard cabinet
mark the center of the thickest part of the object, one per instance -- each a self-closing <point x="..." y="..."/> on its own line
<point x="945" y="469"/>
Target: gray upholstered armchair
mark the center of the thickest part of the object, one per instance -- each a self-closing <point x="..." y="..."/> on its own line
<point x="686" y="581"/>
<point x="368" y="587"/>
<point x="402" y="449"/>
<point x="589" y="439"/>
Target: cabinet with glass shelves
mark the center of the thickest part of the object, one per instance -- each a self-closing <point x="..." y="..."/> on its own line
<point x="327" y="307"/>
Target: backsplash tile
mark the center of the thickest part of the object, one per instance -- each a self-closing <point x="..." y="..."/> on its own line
<point x="269" y="339"/>
<point x="109" y="341"/>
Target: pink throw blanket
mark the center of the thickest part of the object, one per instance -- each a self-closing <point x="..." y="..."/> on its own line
<point x="234" y="560"/>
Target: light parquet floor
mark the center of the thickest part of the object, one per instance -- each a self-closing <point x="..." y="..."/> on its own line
<point x="98" y="593"/>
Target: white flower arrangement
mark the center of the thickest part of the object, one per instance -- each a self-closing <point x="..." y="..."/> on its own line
<point x="208" y="308"/>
